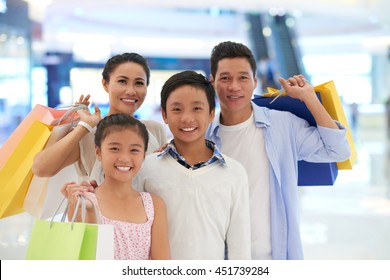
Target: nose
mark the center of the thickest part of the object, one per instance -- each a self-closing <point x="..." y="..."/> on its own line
<point x="130" y="89"/>
<point x="124" y="157"/>
<point x="234" y="85"/>
<point x="187" y="116"/>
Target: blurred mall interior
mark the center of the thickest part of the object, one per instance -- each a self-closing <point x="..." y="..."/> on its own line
<point x="52" y="51"/>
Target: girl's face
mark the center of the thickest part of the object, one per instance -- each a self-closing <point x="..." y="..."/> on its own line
<point x="126" y="88"/>
<point x="122" y="153"/>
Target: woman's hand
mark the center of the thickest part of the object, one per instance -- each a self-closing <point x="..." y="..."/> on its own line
<point x="84" y="100"/>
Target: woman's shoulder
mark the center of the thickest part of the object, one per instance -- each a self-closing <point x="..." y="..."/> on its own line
<point x="152" y="124"/>
<point x="157" y="129"/>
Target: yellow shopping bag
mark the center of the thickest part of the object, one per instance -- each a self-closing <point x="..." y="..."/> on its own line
<point x="332" y="103"/>
<point x="41" y="113"/>
<point x="16" y="174"/>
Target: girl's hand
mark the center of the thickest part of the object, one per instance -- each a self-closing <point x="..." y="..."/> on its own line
<point x="72" y="190"/>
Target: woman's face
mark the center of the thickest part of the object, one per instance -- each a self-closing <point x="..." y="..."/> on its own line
<point x="126" y="88"/>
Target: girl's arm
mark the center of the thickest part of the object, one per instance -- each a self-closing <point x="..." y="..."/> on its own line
<point x="72" y="190"/>
<point x="66" y="151"/>
<point x="160" y="244"/>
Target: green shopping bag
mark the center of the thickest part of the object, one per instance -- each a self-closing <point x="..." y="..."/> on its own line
<point x="52" y="240"/>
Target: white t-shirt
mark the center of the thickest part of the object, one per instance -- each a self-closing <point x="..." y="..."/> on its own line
<point x="250" y="152"/>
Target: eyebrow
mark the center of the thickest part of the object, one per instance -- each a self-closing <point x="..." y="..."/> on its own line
<point x="193" y="103"/>
<point x="241" y="72"/>
<point x="119" y="144"/>
<point x="127" y="78"/>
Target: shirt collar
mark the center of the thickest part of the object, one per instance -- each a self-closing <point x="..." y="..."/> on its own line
<point x="217" y="156"/>
<point x="260" y="115"/>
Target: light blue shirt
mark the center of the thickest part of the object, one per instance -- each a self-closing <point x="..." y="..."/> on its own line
<point x="289" y="139"/>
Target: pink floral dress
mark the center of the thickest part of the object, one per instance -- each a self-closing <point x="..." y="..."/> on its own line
<point x="133" y="241"/>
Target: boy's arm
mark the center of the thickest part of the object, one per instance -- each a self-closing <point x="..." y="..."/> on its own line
<point x="238" y="237"/>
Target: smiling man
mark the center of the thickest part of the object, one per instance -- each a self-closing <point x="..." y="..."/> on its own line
<point x="269" y="143"/>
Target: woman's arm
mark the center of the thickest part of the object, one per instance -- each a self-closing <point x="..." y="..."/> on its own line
<point x="160" y="242"/>
<point x="66" y="151"/>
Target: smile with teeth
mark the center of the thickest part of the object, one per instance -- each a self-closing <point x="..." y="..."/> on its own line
<point x="128" y="100"/>
<point x="188" y="129"/>
<point x="234" y="97"/>
<point x="123" y="168"/>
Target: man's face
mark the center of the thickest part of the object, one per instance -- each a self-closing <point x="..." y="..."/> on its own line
<point x="234" y="83"/>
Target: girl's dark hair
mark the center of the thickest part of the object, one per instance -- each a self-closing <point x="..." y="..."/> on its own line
<point x="230" y="49"/>
<point x="117" y="122"/>
<point x="188" y="78"/>
<point x="116" y="60"/>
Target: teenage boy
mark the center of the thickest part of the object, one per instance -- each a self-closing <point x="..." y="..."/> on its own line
<point x="269" y="144"/>
<point x="205" y="192"/>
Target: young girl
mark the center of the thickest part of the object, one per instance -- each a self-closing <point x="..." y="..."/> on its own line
<point x="139" y="219"/>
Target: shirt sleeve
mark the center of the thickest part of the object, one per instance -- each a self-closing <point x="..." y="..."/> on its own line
<point x="320" y="144"/>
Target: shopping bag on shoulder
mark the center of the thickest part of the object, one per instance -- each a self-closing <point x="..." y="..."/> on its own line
<point x="325" y="174"/>
<point x="43" y="195"/>
<point x="40" y="113"/>
<point x="331" y="101"/>
<point x="16" y="173"/>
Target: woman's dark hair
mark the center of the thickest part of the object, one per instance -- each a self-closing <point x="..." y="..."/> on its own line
<point x="188" y="78"/>
<point x="116" y="60"/>
<point x="230" y="49"/>
<point x="117" y="122"/>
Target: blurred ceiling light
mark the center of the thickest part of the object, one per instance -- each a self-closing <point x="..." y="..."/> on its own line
<point x="3" y="37"/>
<point x="69" y="37"/>
<point x="164" y="43"/>
<point x="267" y="31"/>
<point x="91" y="51"/>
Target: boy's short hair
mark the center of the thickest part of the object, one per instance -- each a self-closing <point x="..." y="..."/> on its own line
<point x="230" y="49"/>
<point x="188" y="78"/>
<point x="119" y="122"/>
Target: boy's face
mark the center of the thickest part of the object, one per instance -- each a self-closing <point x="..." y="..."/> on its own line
<point x="187" y="114"/>
<point x="122" y="154"/>
<point x="234" y="83"/>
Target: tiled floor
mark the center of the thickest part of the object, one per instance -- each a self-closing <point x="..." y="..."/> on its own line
<point x="350" y="220"/>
